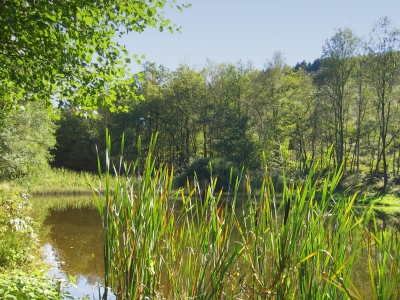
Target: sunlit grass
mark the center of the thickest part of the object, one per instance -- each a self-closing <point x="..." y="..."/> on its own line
<point x="62" y="181"/>
<point x="387" y="200"/>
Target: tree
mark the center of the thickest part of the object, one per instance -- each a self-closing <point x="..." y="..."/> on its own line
<point x="66" y="50"/>
<point x="188" y="89"/>
<point x="77" y="138"/>
<point x="362" y="104"/>
<point x="298" y="105"/>
<point x="26" y="137"/>
<point x="229" y="134"/>
<point x="338" y="64"/>
<point x="308" y="67"/>
<point x="269" y="90"/>
<point x="384" y="66"/>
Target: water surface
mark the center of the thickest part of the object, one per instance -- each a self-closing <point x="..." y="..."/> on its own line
<point x="74" y="246"/>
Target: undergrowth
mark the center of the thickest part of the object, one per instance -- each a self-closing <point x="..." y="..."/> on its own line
<point x="22" y="274"/>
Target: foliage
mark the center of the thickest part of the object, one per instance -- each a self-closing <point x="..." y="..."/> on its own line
<point x="21" y="285"/>
<point x="308" y="67"/>
<point x="21" y="276"/>
<point x="26" y="137"/>
<point x="66" y="49"/>
<point x="236" y="113"/>
<point x="338" y="66"/>
<point x="203" y="169"/>
<point x="77" y="138"/>
<point x="17" y="229"/>
<point x="33" y="285"/>
<point x="383" y="60"/>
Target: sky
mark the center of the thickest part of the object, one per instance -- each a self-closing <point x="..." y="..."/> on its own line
<point x="228" y="31"/>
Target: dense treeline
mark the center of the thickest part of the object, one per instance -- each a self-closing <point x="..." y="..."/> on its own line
<point x="236" y="112"/>
<point x="348" y="99"/>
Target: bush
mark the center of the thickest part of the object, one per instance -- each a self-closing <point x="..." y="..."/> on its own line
<point x="220" y="168"/>
<point x="17" y="229"/>
<point x="14" y="249"/>
<point x="26" y="137"/>
<point x="20" y="285"/>
<point x="18" y="240"/>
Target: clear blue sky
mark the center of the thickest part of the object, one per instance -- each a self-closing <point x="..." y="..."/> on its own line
<point x="252" y="30"/>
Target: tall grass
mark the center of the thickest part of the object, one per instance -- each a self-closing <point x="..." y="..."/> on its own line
<point x="383" y="263"/>
<point x="190" y="244"/>
<point x="61" y="181"/>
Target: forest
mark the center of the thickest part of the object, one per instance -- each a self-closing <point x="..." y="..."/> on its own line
<point x="232" y="113"/>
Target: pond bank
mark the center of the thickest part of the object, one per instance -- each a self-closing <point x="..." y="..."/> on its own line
<point x="387" y="209"/>
<point x="22" y="273"/>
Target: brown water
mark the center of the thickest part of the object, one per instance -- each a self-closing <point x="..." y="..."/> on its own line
<point x="74" y="246"/>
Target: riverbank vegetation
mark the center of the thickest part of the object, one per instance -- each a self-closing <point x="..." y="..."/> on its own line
<point x="62" y="181"/>
<point x="231" y="114"/>
<point x="22" y="274"/>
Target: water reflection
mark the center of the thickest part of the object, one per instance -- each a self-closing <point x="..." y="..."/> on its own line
<point x="74" y="246"/>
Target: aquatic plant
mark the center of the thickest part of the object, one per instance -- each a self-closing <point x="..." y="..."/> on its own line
<point x="199" y="243"/>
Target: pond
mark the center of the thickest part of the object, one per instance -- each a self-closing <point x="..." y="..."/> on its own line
<point x="74" y="246"/>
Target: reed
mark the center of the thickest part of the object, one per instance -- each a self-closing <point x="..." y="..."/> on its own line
<point x="383" y="257"/>
<point x="190" y="244"/>
<point x="300" y="244"/>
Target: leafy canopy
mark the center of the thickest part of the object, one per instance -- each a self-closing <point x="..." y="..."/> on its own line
<point x="65" y="50"/>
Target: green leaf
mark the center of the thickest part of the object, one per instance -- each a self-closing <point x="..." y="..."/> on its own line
<point x="62" y="36"/>
<point x="88" y="20"/>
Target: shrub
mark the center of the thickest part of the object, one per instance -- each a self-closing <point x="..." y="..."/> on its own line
<point x="20" y="285"/>
<point x="26" y="137"/>
<point x="17" y="229"/>
<point x="18" y="240"/>
<point x="220" y="168"/>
